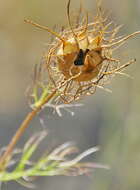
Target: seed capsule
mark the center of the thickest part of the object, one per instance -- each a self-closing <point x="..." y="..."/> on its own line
<point x="80" y="59"/>
<point x="87" y="61"/>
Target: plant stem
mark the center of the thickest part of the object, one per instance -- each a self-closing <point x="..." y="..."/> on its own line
<point x="6" y="155"/>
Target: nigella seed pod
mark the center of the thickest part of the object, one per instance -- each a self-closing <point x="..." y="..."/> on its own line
<point x="81" y="57"/>
<point x="83" y="63"/>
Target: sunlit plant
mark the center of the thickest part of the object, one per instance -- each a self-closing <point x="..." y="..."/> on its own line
<point x="79" y="60"/>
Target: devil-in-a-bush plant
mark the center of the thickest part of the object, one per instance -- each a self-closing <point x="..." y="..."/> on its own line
<point x="79" y="60"/>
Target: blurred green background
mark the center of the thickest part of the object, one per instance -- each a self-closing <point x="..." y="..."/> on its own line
<point x="111" y="121"/>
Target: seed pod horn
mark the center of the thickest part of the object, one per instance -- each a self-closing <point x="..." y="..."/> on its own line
<point x="68" y="15"/>
<point x="45" y="28"/>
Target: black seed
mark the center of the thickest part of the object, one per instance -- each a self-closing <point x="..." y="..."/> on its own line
<point x="80" y="57"/>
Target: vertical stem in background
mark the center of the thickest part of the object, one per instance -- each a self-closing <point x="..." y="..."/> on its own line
<point x="4" y="159"/>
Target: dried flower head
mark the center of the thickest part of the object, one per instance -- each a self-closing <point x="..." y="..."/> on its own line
<point x="81" y="56"/>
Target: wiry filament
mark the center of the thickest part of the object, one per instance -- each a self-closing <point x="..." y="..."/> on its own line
<point x="122" y="40"/>
<point x="68" y="14"/>
<point x="45" y="28"/>
<point x="86" y="24"/>
<point x="115" y="31"/>
<point x="120" y="68"/>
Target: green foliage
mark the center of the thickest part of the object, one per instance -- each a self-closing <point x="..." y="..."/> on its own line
<point x="49" y="164"/>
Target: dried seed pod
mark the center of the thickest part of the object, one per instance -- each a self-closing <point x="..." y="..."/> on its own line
<point x="80" y="59"/>
<point x="84" y="63"/>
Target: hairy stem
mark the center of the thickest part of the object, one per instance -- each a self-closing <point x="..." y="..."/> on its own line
<point x="4" y="159"/>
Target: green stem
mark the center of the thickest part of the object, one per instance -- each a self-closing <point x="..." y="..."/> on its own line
<point x="4" y="159"/>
